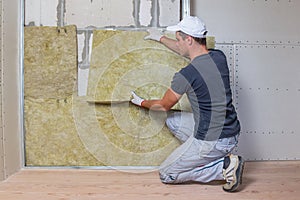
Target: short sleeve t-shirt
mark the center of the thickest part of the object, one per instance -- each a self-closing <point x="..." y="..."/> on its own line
<point x="206" y="83"/>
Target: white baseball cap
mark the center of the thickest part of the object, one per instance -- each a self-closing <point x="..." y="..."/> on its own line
<point x="190" y="25"/>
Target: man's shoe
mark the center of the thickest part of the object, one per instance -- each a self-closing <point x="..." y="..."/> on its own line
<point x="233" y="172"/>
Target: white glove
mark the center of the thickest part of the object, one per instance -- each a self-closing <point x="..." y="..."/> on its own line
<point x="154" y="34"/>
<point x="136" y="99"/>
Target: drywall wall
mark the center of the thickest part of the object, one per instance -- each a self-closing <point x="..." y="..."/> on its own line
<point x="263" y="45"/>
<point x="2" y="172"/>
<point x="11" y="147"/>
<point x="250" y="21"/>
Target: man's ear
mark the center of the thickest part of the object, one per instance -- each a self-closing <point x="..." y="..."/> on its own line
<point x="189" y="40"/>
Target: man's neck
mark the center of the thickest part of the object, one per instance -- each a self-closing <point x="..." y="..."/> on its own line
<point x="198" y="51"/>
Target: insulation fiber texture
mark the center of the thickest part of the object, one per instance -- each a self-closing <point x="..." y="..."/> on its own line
<point x="50" y="65"/>
<point x="63" y="129"/>
<point x="50" y="60"/>
<point x="122" y="61"/>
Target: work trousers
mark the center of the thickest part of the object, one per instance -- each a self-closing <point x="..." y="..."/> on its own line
<point x="194" y="160"/>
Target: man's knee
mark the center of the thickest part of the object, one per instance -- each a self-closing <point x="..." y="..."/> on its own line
<point x="172" y="124"/>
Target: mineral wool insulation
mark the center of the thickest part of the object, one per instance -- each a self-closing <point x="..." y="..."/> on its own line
<point x="50" y="76"/>
<point x="63" y="129"/>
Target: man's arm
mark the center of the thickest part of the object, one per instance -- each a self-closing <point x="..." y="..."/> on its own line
<point x="169" y="43"/>
<point x="169" y="99"/>
<point x="157" y="35"/>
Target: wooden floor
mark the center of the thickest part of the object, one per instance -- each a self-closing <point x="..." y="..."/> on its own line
<point x="262" y="180"/>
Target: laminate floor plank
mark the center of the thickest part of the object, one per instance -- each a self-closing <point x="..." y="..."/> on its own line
<point x="262" y="180"/>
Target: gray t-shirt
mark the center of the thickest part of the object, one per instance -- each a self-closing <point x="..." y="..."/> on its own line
<point x="206" y="83"/>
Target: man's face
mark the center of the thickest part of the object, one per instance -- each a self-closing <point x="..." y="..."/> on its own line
<point x="182" y="45"/>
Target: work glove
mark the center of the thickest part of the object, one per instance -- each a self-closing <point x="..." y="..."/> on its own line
<point x="136" y="99"/>
<point x="154" y="34"/>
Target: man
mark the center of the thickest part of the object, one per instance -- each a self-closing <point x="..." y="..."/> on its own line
<point x="210" y="133"/>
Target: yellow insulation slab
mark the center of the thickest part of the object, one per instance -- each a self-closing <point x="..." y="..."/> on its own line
<point x="50" y="61"/>
<point x="123" y="134"/>
<point x="51" y="135"/>
<point x="50" y="66"/>
<point x="122" y="61"/>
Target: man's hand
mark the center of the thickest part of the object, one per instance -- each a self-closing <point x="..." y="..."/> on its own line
<point x="154" y="34"/>
<point x="136" y="99"/>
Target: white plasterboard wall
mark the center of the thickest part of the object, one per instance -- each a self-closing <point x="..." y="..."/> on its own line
<point x="11" y="91"/>
<point x="264" y="39"/>
<point x="2" y="173"/>
<point x="250" y="21"/>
